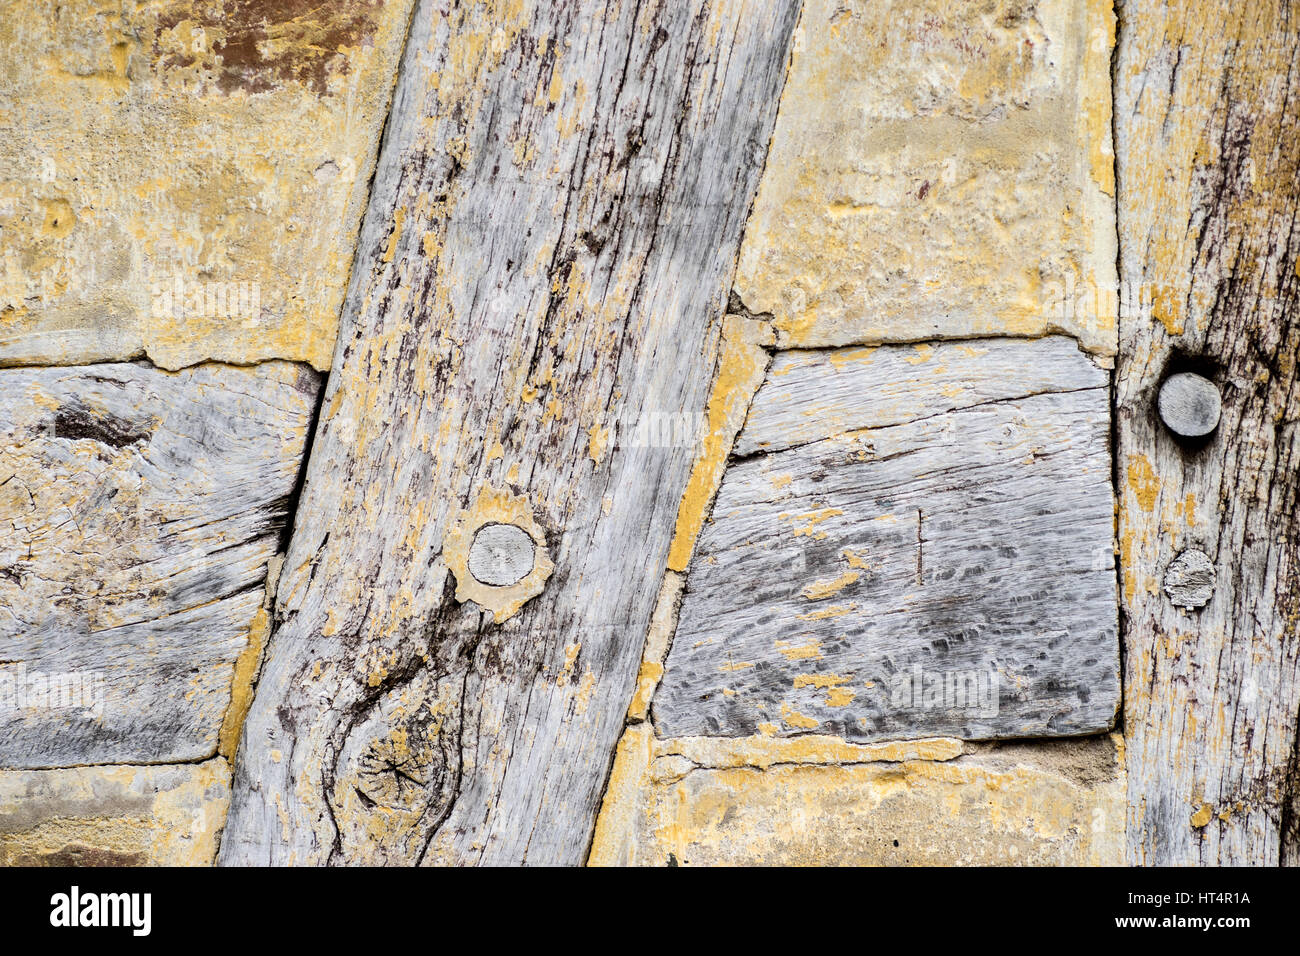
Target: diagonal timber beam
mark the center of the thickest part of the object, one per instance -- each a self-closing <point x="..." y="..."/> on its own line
<point x="553" y="231"/>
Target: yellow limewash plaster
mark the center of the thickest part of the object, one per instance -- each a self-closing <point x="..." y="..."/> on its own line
<point x="113" y="815"/>
<point x="903" y="804"/>
<point x="939" y="170"/>
<point x="190" y="177"/>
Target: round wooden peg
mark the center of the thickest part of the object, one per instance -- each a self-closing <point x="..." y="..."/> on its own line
<point x="1189" y="405"/>
<point x="501" y="554"/>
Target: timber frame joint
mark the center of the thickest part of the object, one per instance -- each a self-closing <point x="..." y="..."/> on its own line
<point x="485" y="550"/>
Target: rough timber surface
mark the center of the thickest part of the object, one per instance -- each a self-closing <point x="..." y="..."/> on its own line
<point x="1208" y="145"/>
<point x="927" y="549"/>
<point x="138" y="510"/>
<point x="553" y="230"/>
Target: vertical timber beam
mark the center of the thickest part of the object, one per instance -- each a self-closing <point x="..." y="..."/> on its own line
<point x="1208" y="157"/>
<point x="552" y="235"/>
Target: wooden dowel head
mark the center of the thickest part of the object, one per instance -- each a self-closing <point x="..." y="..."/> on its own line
<point x="501" y="555"/>
<point x="1189" y="405"/>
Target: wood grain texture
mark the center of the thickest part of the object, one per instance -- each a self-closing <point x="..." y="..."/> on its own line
<point x="553" y="230"/>
<point x="928" y="550"/>
<point x="1208" y="134"/>
<point x="813" y="394"/>
<point x="138" y="510"/>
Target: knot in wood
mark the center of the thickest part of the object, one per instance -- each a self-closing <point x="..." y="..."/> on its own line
<point x="401" y="768"/>
<point x="1189" y="579"/>
<point x="1189" y="405"/>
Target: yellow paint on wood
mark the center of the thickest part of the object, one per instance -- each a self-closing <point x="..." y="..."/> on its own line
<point x="741" y="366"/>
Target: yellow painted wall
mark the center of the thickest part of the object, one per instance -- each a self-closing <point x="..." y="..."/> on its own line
<point x="161" y="156"/>
<point x="940" y="170"/>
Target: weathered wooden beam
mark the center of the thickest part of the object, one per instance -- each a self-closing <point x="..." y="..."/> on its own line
<point x="138" y="511"/>
<point x="911" y="542"/>
<point x="552" y="234"/>
<point x="1208" y="136"/>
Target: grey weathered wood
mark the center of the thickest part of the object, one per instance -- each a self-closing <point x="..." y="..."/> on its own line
<point x="138" y="509"/>
<point x="552" y="232"/>
<point x="964" y="531"/>
<point x="1208" y="161"/>
<point x="811" y="394"/>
